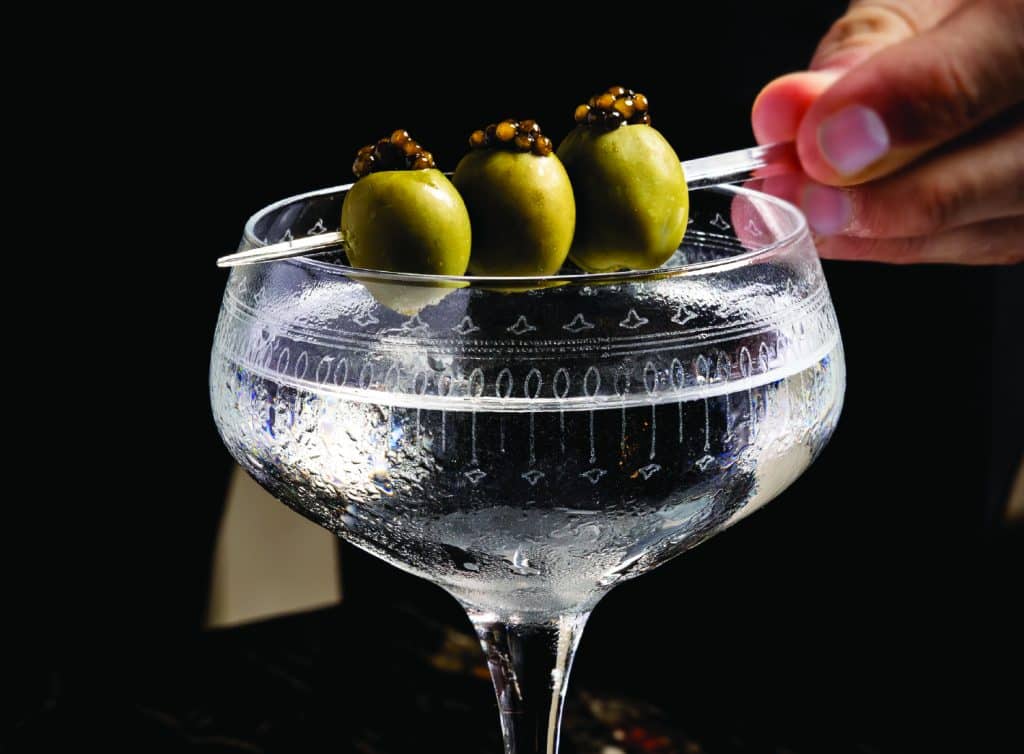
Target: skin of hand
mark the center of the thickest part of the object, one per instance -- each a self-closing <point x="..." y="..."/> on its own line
<point x="909" y="126"/>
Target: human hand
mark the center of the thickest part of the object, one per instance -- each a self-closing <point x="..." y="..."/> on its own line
<point x="909" y="126"/>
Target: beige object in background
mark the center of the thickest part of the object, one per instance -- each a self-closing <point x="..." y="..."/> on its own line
<point x="269" y="560"/>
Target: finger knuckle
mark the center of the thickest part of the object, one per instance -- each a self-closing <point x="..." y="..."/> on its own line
<point x="859" y="24"/>
<point x="941" y="204"/>
<point x="872" y="214"/>
<point x="879" y="17"/>
<point x="932" y="97"/>
<point x="863" y="25"/>
<point x="960" y="100"/>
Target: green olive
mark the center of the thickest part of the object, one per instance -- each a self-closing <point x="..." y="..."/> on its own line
<point x="522" y="209"/>
<point x="631" y="197"/>
<point x="406" y="221"/>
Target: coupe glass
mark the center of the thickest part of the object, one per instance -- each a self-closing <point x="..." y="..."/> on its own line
<point x="527" y="444"/>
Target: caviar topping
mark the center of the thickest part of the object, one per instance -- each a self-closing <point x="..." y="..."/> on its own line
<point x="397" y="152"/>
<point x="616" y="106"/>
<point x="515" y="135"/>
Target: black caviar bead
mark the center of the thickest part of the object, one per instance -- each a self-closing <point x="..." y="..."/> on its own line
<point x="399" y="151"/>
<point x="511" y="134"/>
<point x="614" y="107"/>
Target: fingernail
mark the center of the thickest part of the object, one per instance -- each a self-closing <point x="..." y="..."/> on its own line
<point x="853" y="138"/>
<point x="828" y="209"/>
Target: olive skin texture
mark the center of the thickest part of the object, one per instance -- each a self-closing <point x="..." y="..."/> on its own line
<point x="406" y="221"/>
<point x="631" y="198"/>
<point x="522" y="209"/>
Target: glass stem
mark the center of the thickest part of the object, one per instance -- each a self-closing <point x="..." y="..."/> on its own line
<point x="530" y="664"/>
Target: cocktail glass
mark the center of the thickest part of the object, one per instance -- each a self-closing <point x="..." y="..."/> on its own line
<point x="527" y="444"/>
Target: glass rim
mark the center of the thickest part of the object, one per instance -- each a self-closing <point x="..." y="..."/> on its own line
<point x="796" y="234"/>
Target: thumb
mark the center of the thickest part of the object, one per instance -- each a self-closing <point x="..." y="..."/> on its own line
<point x="867" y="27"/>
<point x="907" y="98"/>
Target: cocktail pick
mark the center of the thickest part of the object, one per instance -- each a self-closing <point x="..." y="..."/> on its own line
<point x="715" y="170"/>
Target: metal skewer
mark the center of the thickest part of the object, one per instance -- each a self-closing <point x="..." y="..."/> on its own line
<point x="727" y="167"/>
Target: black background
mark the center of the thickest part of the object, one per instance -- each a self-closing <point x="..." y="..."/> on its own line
<point x="878" y="596"/>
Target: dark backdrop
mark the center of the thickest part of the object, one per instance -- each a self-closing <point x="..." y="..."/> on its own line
<point x="876" y="596"/>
